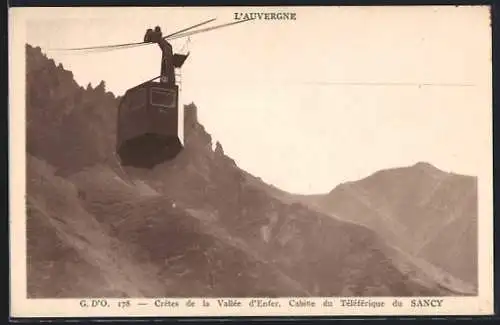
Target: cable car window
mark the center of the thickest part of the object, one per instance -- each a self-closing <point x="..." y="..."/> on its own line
<point x="163" y="97"/>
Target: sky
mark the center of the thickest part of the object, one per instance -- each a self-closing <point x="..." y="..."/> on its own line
<point x="333" y="96"/>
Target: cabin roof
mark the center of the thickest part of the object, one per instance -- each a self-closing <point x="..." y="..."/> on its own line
<point x="150" y="84"/>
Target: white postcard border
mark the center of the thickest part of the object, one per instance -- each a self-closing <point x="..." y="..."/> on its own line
<point x="23" y="307"/>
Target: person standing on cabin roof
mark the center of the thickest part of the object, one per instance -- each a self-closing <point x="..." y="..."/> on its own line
<point x="167" y="64"/>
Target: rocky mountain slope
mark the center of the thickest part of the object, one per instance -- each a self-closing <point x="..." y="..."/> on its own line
<point x="193" y="226"/>
<point x="428" y="213"/>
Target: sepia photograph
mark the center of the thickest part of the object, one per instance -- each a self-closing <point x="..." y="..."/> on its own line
<point x="233" y="157"/>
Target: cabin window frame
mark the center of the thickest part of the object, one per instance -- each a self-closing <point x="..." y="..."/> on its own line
<point x="163" y="90"/>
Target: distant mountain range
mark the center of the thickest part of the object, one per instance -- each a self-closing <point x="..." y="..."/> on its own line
<point x="200" y="226"/>
<point x="426" y="212"/>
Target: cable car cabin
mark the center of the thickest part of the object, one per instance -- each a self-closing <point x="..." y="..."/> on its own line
<point x="147" y="132"/>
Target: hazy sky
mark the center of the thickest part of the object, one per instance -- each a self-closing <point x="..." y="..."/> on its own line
<point x="291" y="101"/>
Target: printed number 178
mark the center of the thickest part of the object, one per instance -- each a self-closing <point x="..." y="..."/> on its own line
<point x="124" y="304"/>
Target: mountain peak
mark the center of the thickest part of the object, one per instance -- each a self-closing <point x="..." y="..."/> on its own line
<point x="426" y="166"/>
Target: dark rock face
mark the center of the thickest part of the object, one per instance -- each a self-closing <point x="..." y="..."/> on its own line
<point x="67" y="126"/>
<point x="192" y="226"/>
